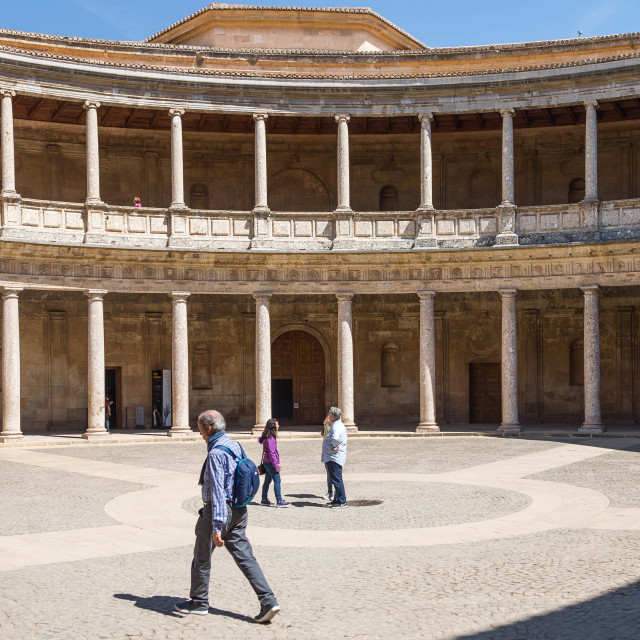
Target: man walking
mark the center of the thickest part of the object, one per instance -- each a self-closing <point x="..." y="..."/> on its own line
<point x="221" y="525"/>
<point x="334" y="455"/>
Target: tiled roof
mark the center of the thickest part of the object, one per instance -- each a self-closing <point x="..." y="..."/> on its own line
<point x="295" y="76"/>
<point x="246" y="7"/>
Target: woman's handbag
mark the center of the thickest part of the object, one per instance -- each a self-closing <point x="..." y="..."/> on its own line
<point x="261" y="469"/>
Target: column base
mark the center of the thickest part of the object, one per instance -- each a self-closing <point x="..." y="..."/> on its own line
<point x="426" y="207"/>
<point x="93" y="436"/>
<point x="257" y="429"/>
<point x="178" y="205"/>
<point x="592" y="428"/>
<point x="427" y="427"/>
<point x="343" y="209"/>
<point x="179" y="432"/>
<point x="260" y="209"/>
<point x="11" y="437"/>
<point x="351" y="427"/>
<point x="93" y="202"/>
<point x="10" y="195"/>
<point x="509" y="428"/>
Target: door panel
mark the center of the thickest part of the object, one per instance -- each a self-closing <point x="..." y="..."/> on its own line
<point x="485" y="398"/>
<point x="297" y="355"/>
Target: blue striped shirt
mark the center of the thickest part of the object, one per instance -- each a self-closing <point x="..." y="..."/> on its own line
<point x="219" y="473"/>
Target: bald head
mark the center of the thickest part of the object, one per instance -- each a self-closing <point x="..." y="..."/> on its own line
<point x="212" y="420"/>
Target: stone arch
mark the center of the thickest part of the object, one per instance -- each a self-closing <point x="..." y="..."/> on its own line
<point x="330" y="395"/>
<point x="576" y="190"/>
<point x="297" y="189"/>
<point x="199" y="196"/>
<point x="390" y="370"/>
<point x="389" y="200"/>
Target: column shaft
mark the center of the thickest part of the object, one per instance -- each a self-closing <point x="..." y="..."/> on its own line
<point x="95" y="366"/>
<point x="177" y="170"/>
<point x="261" y="162"/>
<point x="426" y="163"/>
<point x="8" y="147"/>
<point x="345" y="360"/>
<point x="343" y="164"/>
<point x="427" y="363"/>
<point x="180" y="366"/>
<point x="93" y="155"/>
<point x="263" y="360"/>
<point x="591" y="153"/>
<point x="592" y="417"/>
<point x="508" y="197"/>
<point x="10" y="365"/>
<point x="509" y="362"/>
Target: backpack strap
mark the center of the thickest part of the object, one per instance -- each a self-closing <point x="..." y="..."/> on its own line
<point x="235" y="455"/>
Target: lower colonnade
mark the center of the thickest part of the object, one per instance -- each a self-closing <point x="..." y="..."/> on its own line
<point x="264" y="339"/>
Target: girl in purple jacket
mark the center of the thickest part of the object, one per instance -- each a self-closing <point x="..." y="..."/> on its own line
<point x="271" y="462"/>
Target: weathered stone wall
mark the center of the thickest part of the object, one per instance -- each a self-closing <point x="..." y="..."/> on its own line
<point x="50" y="165"/>
<point x="53" y="330"/>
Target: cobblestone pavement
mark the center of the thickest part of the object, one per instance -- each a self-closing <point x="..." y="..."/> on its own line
<point x="510" y="539"/>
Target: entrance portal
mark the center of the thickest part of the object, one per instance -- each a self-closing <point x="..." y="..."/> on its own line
<point x="485" y="398"/>
<point x="112" y="391"/>
<point x="297" y="371"/>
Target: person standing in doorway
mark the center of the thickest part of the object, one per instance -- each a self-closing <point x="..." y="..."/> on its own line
<point x="271" y="462"/>
<point x="334" y="454"/>
<point x="107" y="413"/>
<point x="221" y="525"/>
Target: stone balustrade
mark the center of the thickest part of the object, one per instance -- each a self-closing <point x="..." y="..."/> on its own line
<point x="119" y="226"/>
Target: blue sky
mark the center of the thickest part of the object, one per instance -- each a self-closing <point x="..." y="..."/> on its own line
<point x="439" y="24"/>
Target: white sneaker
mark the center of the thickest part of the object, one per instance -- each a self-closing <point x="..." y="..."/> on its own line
<point x="327" y="496"/>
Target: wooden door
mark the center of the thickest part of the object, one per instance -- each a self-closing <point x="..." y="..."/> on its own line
<point x="485" y="398"/>
<point x="298" y="356"/>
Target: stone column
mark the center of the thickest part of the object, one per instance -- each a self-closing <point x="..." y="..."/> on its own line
<point x="263" y="361"/>
<point x="591" y="153"/>
<point x="261" y="162"/>
<point x="10" y="364"/>
<point x="177" y="171"/>
<point x="93" y="157"/>
<point x="427" y="363"/>
<point x="96" y="428"/>
<point x="8" y="148"/>
<point x="592" y="417"/>
<point x="345" y="360"/>
<point x="426" y="163"/>
<point x="343" y="164"/>
<point x="508" y="197"/>
<point x="510" y="422"/>
<point x="180" y="366"/>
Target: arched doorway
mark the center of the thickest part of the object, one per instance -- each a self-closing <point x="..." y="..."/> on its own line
<point x="297" y="372"/>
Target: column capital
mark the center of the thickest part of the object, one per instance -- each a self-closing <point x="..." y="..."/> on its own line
<point x="91" y="104"/>
<point x="260" y="116"/>
<point x="4" y="92"/>
<point x="425" y="295"/>
<point x="425" y="117"/>
<point x="262" y="296"/>
<point x="591" y="290"/>
<point x="509" y="111"/>
<point x="343" y="118"/>
<point x="591" y="103"/>
<point x="344" y="296"/>
<point x="180" y="296"/>
<point x="96" y="294"/>
<point x="11" y="290"/>
<point x="508" y="293"/>
<point x="176" y="111"/>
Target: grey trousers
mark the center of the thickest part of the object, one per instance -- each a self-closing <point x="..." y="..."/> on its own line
<point x="235" y="540"/>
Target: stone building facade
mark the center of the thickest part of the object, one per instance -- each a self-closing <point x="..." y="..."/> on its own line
<point x="421" y="236"/>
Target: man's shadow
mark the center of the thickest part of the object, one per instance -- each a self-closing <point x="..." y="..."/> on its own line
<point x="166" y="606"/>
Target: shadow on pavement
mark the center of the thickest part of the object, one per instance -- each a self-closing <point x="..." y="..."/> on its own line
<point x="615" y="615"/>
<point x="166" y="606"/>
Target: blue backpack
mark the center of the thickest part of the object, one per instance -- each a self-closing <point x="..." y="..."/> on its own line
<point x="247" y="480"/>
